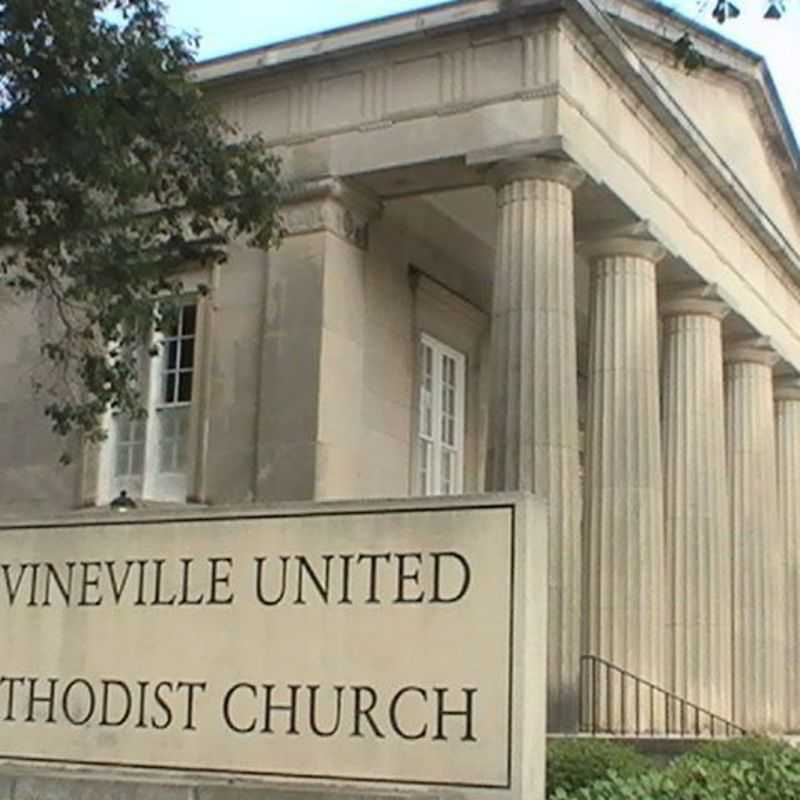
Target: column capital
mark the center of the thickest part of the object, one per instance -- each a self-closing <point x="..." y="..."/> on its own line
<point x="787" y="388"/>
<point x="751" y="350"/>
<point x="635" y="239"/>
<point x="330" y="204"/>
<point x="546" y="169"/>
<point x="701" y="300"/>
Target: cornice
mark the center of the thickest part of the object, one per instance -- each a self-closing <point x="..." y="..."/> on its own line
<point x="329" y="204"/>
<point x="592" y="19"/>
<point x="516" y="169"/>
<point x="606" y="36"/>
<point x="701" y="300"/>
<point x="634" y="239"/>
<point x="787" y="388"/>
<point x="750" y="350"/>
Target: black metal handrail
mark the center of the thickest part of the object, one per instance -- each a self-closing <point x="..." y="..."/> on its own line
<point x="617" y="702"/>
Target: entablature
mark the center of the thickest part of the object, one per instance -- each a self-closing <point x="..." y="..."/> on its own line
<point x="465" y="82"/>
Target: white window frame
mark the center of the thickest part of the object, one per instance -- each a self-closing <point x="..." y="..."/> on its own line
<point x="432" y="438"/>
<point x="154" y="483"/>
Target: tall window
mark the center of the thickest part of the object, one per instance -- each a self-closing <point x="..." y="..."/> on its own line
<point x="149" y="456"/>
<point x="441" y="419"/>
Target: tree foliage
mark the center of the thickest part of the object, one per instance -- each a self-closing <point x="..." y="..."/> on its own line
<point x="115" y="172"/>
<point x="721" y="11"/>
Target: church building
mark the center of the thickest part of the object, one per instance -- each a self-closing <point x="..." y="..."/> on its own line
<point x="525" y="249"/>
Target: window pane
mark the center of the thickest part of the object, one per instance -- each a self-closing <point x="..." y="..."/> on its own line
<point x="178" y="360"/>
<point x="425" y="456"/>
<point x="426" y="413"/>
<point x="426" y="392"/>
<point x="121" y="465"/>
<point x="167" y="418"/>
<point x="166" y="384"/>
<point x="188" y="320"/>
<point x="123" y="428"/>
<point x="169" y="388"/>
<point x="137" y="459"/>
<point x="173" y="436"/>
<point x="172" y="353"/>
<point x="185" y="387"/>
<point x="129" y="443"/>
<point x="187" y="353"/>
<point x="448" y="471"/>
<point x="448" y="418"/>
<point x="441" y="431"/>
<point x="166" y="456"/>
<point x="183" y="440"/>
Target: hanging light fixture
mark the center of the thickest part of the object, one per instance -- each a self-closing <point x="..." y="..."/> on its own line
<point x="725" y="10"/>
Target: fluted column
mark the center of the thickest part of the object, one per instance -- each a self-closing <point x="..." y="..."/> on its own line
<point x="623" y="524"/>
<point x="787" y="438"/>
<point x="534" y="404"/>
<point x="757" y="569"/>
<point x="696" y="514"/>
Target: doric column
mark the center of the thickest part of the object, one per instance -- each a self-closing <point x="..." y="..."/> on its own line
<point x="534" y="404"/>
<point x="787" y="438"/>
<point x="697" y="532"/>
<point x="757" y="571"/>
<point x="623" y="523"/>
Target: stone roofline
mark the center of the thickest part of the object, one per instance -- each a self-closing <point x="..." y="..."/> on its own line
<point x="646" y="15"/>
<point x="603" y="23"/>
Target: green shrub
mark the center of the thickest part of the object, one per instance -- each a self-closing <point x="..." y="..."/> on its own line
<point x="575" y="763"/>
<point x="651" y="785"/>
<point x="749" y="748"/>
<point x="714" y="756"/>
<point x="773" y="776"/>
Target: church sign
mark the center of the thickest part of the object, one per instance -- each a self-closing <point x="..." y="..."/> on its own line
<point x="363" y="643"/>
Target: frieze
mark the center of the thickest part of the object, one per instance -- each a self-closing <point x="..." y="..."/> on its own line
<point x="417" y="82"/>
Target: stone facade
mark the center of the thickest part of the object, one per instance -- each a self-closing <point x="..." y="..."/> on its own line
<point x="545" y="195"/>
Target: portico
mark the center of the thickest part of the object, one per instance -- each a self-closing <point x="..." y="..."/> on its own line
<point x="625" y="332"/>
<point x="607" y="324"/>
<point x="612" y="380"/>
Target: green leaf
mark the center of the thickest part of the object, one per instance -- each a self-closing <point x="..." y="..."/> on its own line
<point x="116" y="173"/>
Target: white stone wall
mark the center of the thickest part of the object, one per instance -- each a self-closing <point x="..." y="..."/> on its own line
<point x="399" y="309"/>
<point x="30" y="474"/>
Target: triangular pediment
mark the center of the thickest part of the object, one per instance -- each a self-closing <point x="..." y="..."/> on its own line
<point x="729" y="100"/>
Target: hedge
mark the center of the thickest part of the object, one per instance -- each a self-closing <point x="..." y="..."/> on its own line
<point x="746" y="769"/>
<point x="575" y="763"/>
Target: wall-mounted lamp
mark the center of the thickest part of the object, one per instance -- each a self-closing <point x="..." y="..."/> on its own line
<point x="122" y="503"/>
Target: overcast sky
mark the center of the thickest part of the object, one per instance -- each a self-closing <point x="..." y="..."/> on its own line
<point x="226" y="26"/>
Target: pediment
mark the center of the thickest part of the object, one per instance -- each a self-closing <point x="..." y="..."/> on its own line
<point x="731" y="103"/>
